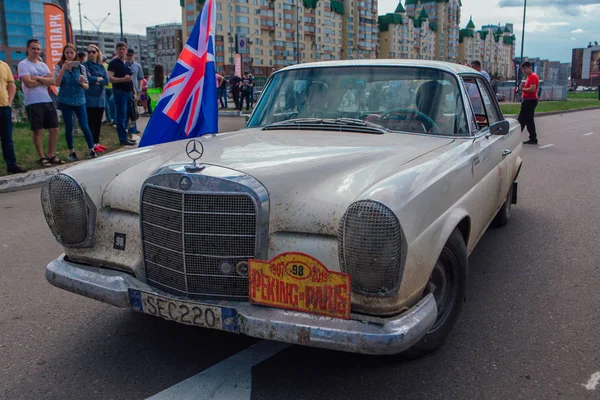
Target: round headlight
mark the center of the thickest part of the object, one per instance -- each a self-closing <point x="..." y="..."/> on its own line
<point x="370" y="248"/>
<point x="69" y="212"/>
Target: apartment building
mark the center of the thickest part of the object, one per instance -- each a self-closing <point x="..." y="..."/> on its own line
<point x="278" y="33"/>
<point x="165" y="43"/>
<point x="107" y="42"/>
<point x="492" y="45"/>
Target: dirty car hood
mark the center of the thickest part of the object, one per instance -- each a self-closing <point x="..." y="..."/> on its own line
<point x="307" y="173"/>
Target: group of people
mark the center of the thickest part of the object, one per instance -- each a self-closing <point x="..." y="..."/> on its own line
<point x="81" y="85"/>
<point x="242" y="90"/>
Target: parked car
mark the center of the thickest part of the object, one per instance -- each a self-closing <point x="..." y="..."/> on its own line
<point x="342" y="216"/>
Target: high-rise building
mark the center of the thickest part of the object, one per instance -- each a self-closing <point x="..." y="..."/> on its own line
<point x="164" y="45"/>
<point x="107" y="42"/>
<point x="278" y="33"/>
<point x="21" y="20"/>
<point x="493" y="46"/>
<point x="443" y="18"/>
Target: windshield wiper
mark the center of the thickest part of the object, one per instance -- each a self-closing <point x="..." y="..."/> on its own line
<point x="329" y="122"/>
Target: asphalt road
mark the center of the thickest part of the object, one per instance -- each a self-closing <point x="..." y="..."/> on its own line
<point x="530" y="328"/>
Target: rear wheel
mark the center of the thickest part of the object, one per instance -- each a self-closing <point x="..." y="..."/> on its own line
<point x="448" y="284"/>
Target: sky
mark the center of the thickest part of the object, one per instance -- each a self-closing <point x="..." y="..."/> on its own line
<point x="553" y="27"/>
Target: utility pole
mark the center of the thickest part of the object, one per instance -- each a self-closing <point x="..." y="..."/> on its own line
<point x="523" y="36"/>
<point x="121" y="19"/>
<point x="297" y="34"/>
<point x="80" y="19"/>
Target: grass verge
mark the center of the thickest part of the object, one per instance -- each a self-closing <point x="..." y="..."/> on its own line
<point x="27" y="157"/>
<point x="550" y="106"/>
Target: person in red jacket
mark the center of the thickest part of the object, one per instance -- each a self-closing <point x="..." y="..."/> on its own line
<point x="529" y="89"/>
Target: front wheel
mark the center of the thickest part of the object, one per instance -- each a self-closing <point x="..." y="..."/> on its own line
<point x="448" y="284"/>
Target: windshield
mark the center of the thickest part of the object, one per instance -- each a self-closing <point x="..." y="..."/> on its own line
<point x="402" y="99"/>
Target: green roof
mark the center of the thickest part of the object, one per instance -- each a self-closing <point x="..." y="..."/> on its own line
<point x="499" y="31"/>
<point x="423" y="14"/>
<point x="463" y="33"/>
<point x="411" y="2"/>
<point x="400" y="8"/>
<point x="483" y="34"/>
<point x="388" y="19"/>
<point x="309" y="3"/>
<point x="506" y="30"/>
<point x="418" y="22"/>
<point x="471" y="25"/>
<point x="337" y="7"/>
<point x="433" y="26"/>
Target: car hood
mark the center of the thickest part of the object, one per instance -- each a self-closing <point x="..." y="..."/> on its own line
<point x="311" y="176"/>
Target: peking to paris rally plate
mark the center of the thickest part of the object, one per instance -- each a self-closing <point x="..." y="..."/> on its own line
<point x="300" y="282"/>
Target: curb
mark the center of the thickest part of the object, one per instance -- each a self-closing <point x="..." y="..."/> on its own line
<point x="230" y="113"/>
<point x="550" y="113"/>
<point x="35" y="178"/>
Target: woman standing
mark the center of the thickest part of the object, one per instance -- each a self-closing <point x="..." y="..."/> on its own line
<point x="71" y="77"/>
<point x="95" y="98"/>
<point x="157" y="81"/>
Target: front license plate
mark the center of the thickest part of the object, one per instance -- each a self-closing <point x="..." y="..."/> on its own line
<point x="299" y="282"/>
<point x="185" y="312"/>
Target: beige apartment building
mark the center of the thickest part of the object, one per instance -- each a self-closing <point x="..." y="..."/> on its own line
<point x="277" y="33"/>
<point x="493" y="46"/>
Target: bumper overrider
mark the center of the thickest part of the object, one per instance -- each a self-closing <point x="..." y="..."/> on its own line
<point x="387" y="336"/>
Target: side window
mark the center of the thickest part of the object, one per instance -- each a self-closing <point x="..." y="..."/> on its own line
<point x="493" y="115"/>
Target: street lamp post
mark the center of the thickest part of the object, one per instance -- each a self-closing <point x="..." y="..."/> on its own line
<point x="121" y="20"/>
<point x="523" y="35"/>
<point x="97" y="26"/>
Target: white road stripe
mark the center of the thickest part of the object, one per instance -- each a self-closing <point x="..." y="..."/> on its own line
<point x="588" y="134"/>
<point x="593" y="382"/>
<point x="545" y="146"/>
<point x="231" y="379"/>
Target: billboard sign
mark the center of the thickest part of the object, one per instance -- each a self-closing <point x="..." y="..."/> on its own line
<point x="56" y="33"/>
<point x="242" y="43"/>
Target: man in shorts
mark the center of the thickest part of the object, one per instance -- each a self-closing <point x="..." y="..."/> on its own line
<point x="36" y="78"/>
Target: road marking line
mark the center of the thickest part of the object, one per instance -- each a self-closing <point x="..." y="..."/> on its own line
<point x="593" y="382"/>
<point x="545" y="146"/>
<point x="231" y="379"/>
<point x="588" y="134"/>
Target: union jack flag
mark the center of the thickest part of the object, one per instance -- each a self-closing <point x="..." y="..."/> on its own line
<point x="188" y="104"/>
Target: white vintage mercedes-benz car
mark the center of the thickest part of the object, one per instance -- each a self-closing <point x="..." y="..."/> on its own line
<point x="380" y="175"/>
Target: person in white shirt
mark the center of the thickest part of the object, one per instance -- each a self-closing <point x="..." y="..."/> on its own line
<point x="36" y="79"/>
<point x="476" y="65"/>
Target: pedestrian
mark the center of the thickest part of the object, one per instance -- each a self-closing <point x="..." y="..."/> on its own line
<point x="71" y="77"/>
<point x="144" y="94"/>
<point x="36" y="78"/>
<point x="234" y="84"/>
<point x="246" y="85"/>
<point x="529" y="91"/>
<point x="476" y="65"/>
<point x="8" y="91"/>
<point x="95" y="96"/>
<point x="109" y="109"/>
<point x="121" y="76"/>
<point x="138" y="78"/>
<point x="156" y="84"/>
<point x="251" y="90"/>
<point x="222" y="90"/>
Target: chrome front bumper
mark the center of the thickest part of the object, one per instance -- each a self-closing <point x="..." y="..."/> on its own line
<point x="391" y="336"/>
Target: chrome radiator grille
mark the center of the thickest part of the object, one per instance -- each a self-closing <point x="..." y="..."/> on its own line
<point x="193" y="242"/>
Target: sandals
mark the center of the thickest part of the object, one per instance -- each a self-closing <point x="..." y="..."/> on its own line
<point x="55" y="161"/>
<point x="44" y="162"/>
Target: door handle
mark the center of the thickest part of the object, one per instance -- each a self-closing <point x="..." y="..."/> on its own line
<point x="506" y="152"/>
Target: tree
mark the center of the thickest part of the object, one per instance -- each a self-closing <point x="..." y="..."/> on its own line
<point x="595" y="43"/>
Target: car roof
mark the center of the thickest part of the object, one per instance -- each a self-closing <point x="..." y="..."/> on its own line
<point x="442" y="65"/>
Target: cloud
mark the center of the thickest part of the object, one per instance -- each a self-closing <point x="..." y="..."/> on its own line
<point x="539" y="26"/>
<point x="548" y="3"/>
<point x="578" y="30"/>
<point x="571" y="7"/>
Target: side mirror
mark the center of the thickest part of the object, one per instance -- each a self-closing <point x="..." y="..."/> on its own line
<point x="500" y="128"/>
